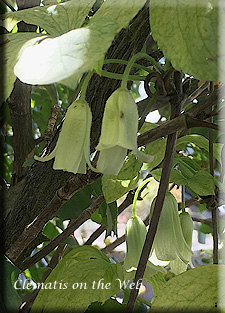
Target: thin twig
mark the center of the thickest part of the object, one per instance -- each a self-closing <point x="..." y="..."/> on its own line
<point x="214" y="210"/>
<point x="194" y="95"/>
<point x="51" y="122"/>
<point x="180" y="122"/>
<point x="84" y="216"/>
<point x="61" y="196"/>
<point x="193" y="122"/>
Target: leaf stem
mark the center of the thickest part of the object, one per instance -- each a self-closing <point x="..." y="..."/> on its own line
<point x="119" y="61"/>
<point x="120" y="76"/>
<point x="139" y="55"/>
<point x="137" y="192"/>
<point x="85" y="84"/>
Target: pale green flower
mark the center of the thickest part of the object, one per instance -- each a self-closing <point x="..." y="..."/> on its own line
<point x="169" y="242"/>
<point x="135" y="237"/>
<point x="72" y="149"/>
<point x="177" y="265"/>
<point x="119" y="133"/>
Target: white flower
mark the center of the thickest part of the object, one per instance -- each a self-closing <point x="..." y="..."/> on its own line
<point x="119" y="133"/>
<point x="72" y="149"/>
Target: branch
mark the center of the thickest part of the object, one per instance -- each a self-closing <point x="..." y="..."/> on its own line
<point x="84" y="216"/>
<point x="61" y="196"/>
<point x="181" y="122"/>
<point x="164" y="181"/>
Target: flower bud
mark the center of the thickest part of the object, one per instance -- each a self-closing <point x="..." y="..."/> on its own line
<point x="135" y="237"/>
<point x="169" y="242"/>
<point x="177" y="266"/>
<point x="72" y="149"/>
<point x="119" y="133"/>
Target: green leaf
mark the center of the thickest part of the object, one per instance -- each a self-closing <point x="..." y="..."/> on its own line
<point x="147" y="126"/>
<point x="50" y="230"/>
<point x="115" y="187"/>
<point x="202" y="183"/>
<point x="110" y="305"/>
<point x="10" y="298"/>
<point x="157" y="281"/>
<point x="205" y="229"/>
<point x="187" y="32"/>
<point x="109" y="217"/>
<point x="157" y="149"/>
<point x="10" y="47"/>
<point x="203" y="143"/>
<point x="82" y="267"/>
<point x="76" y="51"/>
<point x="191" y="290"/>
<point x="55" y="19"/>
<point x="175" y="176"/>
<point x="76" y="205"/>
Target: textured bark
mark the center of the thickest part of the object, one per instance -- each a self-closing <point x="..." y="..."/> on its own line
<point x="23" y="142"/>
<point x="42" y="181"/>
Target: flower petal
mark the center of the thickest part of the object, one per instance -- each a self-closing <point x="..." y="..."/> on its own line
<point x="111" y="160"/>
<point x="145" y="158"/>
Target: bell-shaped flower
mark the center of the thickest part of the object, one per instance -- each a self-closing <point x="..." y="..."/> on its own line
<point x="169" y="242"/>
<point x="177" y="265"/>
<point x="135" y="237"/>
<point x="119" y="133"/>
<point x="72" y="149"/>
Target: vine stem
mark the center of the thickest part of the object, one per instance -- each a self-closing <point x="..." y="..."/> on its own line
<point x="137" y="193"/>
<point x="168" y="162"/>
<point x="119" y="61"/>
<point x="214" y="210"/>
<point x="120" y="76"/>
<point x="163" y="185"/>
<point x="139" y="55"/>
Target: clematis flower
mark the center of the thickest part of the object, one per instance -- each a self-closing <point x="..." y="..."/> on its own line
<point x="177" y="265"/>
<point x="119" y="133"/>
<point x="135" y="237"/>
<point x="169" y="242"/>
<point x="72" y="149"/>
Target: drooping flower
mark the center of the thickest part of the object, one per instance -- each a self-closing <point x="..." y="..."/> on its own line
<point x="177" y="265"/>
<point x="119" y="133"/>
<point x="72" y="149"/>
<point x="169" y="242"/>
<point x="135" y="237"/>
